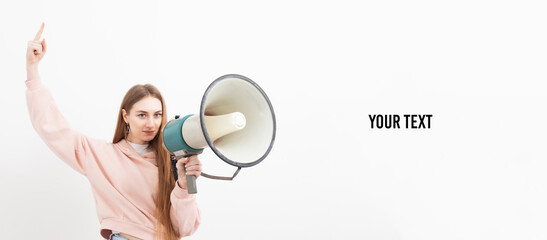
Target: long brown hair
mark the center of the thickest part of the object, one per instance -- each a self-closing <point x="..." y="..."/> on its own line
<point x="166" y="181"/>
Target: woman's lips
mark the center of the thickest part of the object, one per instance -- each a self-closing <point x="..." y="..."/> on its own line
<point x="149" y="132"/>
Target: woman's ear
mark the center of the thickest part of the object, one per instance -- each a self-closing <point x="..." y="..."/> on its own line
<point x="124" y="114"/>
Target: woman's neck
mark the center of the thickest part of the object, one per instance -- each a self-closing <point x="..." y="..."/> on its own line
<point x="140" y="148"/>
<point x="136" y="141"/>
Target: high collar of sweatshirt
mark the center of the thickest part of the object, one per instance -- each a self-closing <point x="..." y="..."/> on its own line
<point x="130" y="152"/>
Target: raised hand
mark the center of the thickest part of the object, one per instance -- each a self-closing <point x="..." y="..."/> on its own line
<point x="36" y="49"/>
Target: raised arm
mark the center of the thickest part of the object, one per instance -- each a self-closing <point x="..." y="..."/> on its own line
<point x="46" y="118"/>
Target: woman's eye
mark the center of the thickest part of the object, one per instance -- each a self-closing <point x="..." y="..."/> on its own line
<point x="158" y="115"/>
<point x="141" y="115"/>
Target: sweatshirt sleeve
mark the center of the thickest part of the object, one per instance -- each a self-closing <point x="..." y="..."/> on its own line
<point x="185" y="213"/>
<point x="52" y="127"/>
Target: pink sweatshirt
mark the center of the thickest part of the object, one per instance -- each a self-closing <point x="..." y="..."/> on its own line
<point x="124" y="184"/>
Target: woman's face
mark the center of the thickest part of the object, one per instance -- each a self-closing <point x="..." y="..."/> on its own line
<point x="144" y="120"/>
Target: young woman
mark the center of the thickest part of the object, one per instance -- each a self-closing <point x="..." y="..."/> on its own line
<point x="131" y="178"/>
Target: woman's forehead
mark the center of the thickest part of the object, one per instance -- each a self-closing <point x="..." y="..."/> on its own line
<point x="147" y="104"/>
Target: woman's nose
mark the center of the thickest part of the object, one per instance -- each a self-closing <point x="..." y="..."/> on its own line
<point x="150" y="122"/>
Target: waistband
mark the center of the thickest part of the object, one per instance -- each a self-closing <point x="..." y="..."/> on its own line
<point x="117" y="236"/>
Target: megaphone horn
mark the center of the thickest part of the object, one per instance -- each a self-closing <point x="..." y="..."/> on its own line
<point x="236" y="121"/>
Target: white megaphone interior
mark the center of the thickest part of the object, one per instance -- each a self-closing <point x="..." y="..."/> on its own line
<point x="218" y="126"/>
<point x="236" y="95"/>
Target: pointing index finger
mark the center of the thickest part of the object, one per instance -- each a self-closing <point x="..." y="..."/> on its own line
<point x="39" y="34"/>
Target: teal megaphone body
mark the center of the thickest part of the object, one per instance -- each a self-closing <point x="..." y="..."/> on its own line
<point x="236" y="121"/>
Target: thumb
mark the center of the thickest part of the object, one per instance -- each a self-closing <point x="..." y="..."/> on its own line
<point x="44" y="46"/>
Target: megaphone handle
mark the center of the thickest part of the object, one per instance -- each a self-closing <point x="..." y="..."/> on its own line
<point x="191" y="183"/>
<point x="190" y="179"/>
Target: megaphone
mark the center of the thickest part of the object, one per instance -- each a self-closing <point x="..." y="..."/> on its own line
<point x="236" y="121"/>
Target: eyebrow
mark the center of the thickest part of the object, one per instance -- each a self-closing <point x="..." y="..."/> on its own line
<point x="141" y="111"/>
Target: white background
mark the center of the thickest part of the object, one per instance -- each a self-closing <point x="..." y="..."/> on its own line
<point x="478" y="66"/>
